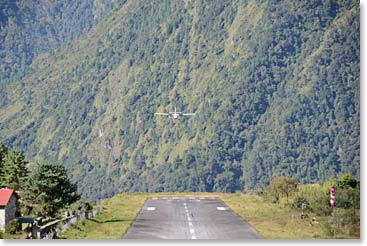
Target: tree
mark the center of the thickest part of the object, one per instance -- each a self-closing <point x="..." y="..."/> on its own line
<point x="3" y="153"/>
<point x="282" y="186"/>
<point x="15" y="170"/>
<point x="50" y="189"/>
<point x="346" y="181"/>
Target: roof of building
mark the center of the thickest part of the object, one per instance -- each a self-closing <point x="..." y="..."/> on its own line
<point x="5" y="195"/>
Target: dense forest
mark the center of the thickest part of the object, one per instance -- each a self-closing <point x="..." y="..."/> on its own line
<point x="29" y="28"/>
<point x="274" y="84"/>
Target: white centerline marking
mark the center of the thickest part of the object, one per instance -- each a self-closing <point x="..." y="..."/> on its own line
<point x="221" y="208"/>
<point x="191" y="227"/>
<point x="150" y="208"/>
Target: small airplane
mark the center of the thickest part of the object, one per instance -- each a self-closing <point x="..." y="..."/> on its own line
<point x="175" y="114"/>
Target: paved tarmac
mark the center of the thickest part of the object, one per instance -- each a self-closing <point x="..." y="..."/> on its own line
<point x="189" y="218"/>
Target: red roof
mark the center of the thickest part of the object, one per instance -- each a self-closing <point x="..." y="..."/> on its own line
<point x="5" y="195"/>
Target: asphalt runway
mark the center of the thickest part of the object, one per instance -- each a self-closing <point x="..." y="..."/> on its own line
<point x="189" y="218"/>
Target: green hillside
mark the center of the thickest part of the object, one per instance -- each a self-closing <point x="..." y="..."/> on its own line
<point x="274" y="84"/>
<point x="29" y="28"/>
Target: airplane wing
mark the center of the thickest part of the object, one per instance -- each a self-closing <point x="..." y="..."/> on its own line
<point x="189" y="114"/>
<point x="162" y="113"/>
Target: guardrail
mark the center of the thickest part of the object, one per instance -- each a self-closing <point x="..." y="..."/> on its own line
<point x="50" y="230"/>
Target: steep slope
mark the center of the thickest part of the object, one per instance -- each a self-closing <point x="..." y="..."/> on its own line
<point x="29" y="28"/>
<point x="275" y="86"/>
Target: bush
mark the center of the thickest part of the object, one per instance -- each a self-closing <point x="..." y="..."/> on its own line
<point x="12" y="227"/>
<point x="281" y="186"/>
<point x="317" y="198"/>
<point x="81" y="206"/>
<point x="342" y="223"/>
<point x="346" y="181"/>
<point x="301" y="202"/>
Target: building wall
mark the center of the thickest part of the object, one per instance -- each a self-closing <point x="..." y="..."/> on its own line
<point x="8" y="213"/>
<point x="2" y="218"/>
<point x="10" y="209"/>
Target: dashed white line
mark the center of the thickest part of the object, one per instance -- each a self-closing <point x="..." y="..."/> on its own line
<point x="150" y="208"/>
<point x="191" y="227"/>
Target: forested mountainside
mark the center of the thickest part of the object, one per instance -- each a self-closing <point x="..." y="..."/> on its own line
<point x="29" y="28"/>
<point x="274" y="84"/>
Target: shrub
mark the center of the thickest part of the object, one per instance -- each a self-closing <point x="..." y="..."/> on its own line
<point x="317" y="198"/>
<point x="281" y="186"/>
<point x="346" y="181"/>
<point x="12" y="227"/>
<point x="343" y="222"/>
<point x="301" y="202"/>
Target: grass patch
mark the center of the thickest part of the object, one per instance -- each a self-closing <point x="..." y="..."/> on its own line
<point x="112" y="223"/>
<point x="273" y="221"/>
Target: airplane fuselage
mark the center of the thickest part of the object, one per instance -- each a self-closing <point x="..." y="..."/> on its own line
<point x="175" y="114"/>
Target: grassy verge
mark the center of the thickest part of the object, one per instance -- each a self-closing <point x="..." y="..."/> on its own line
<point x="272" y="221"/>
<point x="117" y="215"/>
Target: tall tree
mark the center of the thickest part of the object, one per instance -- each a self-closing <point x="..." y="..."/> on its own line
<point x="15" y="170"/>
<point x="3" y="153"/>
<point x="50" y="189"/>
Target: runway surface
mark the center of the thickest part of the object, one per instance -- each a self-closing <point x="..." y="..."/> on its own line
<point x="189" y="218"/>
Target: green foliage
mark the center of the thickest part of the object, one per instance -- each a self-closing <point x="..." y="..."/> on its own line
<point x="346" y="181"/>
<point x="12" y="227"/>
<point x="29" y="29"/>
<point x="317" y="198"/>
<point x="49" y="189"/>
<point x="282" y="186"/>
<point x="3" y="153"/>
<point x="301" y="202"/>
<point x="343" y="223"/>
<point x="347" y="194"/>
<point x="13" y="168"/>
<point x="275" y="85"/>
<point x="81" y="205"/>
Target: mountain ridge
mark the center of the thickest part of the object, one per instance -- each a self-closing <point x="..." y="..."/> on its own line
<point x="90" y="104"/>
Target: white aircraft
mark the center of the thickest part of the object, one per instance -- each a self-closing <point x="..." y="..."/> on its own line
<point x="175" y="114"/>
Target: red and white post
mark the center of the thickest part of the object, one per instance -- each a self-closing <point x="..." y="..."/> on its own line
<point x="332" y="196"/>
